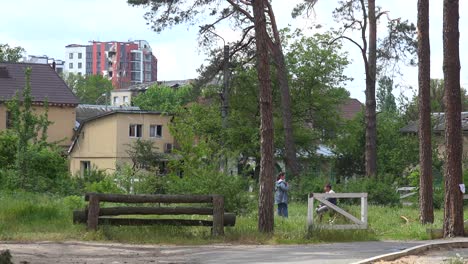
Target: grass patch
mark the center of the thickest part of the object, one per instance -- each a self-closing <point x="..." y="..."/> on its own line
<point x="33" y="217"/>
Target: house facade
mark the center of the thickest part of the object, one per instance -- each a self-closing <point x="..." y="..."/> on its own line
<point x="46" y="85"/>
<point x="102" y="141"/>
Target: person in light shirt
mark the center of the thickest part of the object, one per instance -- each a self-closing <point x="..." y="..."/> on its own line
<point x="321" y="208"/>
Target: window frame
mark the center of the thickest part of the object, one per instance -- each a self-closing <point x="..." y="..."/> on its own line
<point x="155" y="134"/>
<point x="135" y="128"/>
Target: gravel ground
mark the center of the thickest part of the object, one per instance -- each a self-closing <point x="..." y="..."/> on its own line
<point x="450" y="256"/>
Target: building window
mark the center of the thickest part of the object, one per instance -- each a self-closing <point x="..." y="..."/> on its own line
<point x="70" y="56"/>
<point x="85" y="168"/>
<point x="79" y="55"/>
<point x="135" y="131"/>
<point x="116" y="100"/>
<point x="156" y="131"/>
<point x="79" y="73"/>
<point x="70" y="65"/>
<point x="80" y="65"/>
<point x="9" y="120"/>
<point x="125" y="100"/>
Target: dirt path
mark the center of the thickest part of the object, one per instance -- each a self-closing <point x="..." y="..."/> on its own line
<point x="97" y="253"/>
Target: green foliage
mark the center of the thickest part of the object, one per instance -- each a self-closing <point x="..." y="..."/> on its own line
<point x="164" y="98"/>
<point x="385" y="98"/>
<point x="107" y="185"/>
<point x="138" y="182"/>
<point x="90" y="89"/>
<point x="10" y="54"/>
<point x="144" y="154"/>
<point x="380" y="191"/>
<point x="233" y="188"/>
<point x="8" y="145"/>
<point x="28" y="161"/>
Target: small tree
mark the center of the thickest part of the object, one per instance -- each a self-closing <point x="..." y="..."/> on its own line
<point x="27" y="126"/>
<point x="10" y="54"/>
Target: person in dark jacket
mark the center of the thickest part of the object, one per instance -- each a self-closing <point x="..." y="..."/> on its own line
<point x="281" y="194"/>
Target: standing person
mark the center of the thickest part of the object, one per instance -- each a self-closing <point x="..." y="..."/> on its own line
<point x="281" y="194"/>
<point x="321" y="208"/>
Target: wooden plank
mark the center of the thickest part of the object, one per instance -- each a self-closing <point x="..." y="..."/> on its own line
<point x="155" y="211"/>
<point x="93" y="212"/>
<point x="405" y="189"/>
<point x="341" y="211"/>
<point x="338" y="195"/>
<point x="310" y="212"/>
<point x="407" y="195"/>
<point x="341" y="227"/>
<point x="79" y="216"/>
<point x="218" y="215"/>
<point x="146" y="198"/>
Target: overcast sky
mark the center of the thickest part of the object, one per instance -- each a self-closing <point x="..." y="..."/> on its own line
<point x="45" y="27"/>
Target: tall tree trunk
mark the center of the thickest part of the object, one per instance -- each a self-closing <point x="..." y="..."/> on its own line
<point x="425" y="148"/>
<point x="453" y="210"/>
<point x="290" y="158"/>
<point x="371" y="123"/>
<point x="265" y="202"/>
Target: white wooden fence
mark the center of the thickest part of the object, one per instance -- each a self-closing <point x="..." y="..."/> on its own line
<point x="321" y="197"/>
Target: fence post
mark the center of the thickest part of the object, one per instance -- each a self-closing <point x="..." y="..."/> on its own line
<point x="364" y="209"/>
<point x="218" y="215"/>
<point x="310" y="211"/>
<point x="93" y="212"/>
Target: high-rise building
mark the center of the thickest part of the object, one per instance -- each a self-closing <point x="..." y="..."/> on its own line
<point x="124" y="63"/>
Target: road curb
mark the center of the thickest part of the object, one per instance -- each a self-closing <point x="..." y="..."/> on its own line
<point x="415" y="251"/>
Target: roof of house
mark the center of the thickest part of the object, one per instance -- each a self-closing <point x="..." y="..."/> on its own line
<point x="45" y="83"/>
<point x="350" y="108"/>
<point x="172" y="84"/>
<point x="438" y="119"/>
<point x="85" y="111"/>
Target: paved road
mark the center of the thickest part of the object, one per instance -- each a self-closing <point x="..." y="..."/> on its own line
<point x="94" y="253"/>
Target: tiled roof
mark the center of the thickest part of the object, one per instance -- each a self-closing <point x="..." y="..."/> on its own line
<point x="45" y="83"/>
<point x="350" y="108"/>
<point x="438" y="121"/>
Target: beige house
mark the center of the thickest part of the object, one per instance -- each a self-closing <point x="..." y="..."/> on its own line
<point x="102" y="141"/>
<point x="46" y="85"/>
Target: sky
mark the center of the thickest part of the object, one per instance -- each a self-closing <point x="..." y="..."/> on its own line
<point x="45" y="27"/>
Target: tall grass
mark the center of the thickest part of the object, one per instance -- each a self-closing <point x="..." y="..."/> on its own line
<point x="29" y="217"/>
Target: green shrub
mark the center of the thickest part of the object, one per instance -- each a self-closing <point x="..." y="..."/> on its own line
<point x="138" y="182"/>
<point x="233" y="188"/>
<point x="308" y="183"/>
<point x="74" y="202"/>
<point x="380" y="191"/>
<point x="107" y="185"/>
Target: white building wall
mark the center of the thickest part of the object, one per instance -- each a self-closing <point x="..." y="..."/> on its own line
<point x="75" y="60"/>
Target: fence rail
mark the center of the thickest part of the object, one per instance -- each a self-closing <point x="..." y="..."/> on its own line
<point x="322" y="197"/>
<point x="94" y="215"/>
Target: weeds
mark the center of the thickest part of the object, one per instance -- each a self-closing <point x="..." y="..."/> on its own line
<point x="27" y="217"/>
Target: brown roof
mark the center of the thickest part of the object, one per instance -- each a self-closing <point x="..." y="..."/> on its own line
<point x="438" y="122"/>
<point x="350" y="108"/>
<point x="45" y="83"/>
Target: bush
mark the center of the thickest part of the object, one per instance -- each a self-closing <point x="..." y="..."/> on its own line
<point x="233" y="188"/>
<point x="380" y="191"/>
<point x="138" y="182"/>
<point x="309" y="183"/>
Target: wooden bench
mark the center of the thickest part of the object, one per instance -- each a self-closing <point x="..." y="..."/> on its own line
<point x="94" y="215"/>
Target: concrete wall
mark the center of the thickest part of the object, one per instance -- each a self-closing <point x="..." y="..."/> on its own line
<point x="63" y="119"/>
<point x="104" y="141"/>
